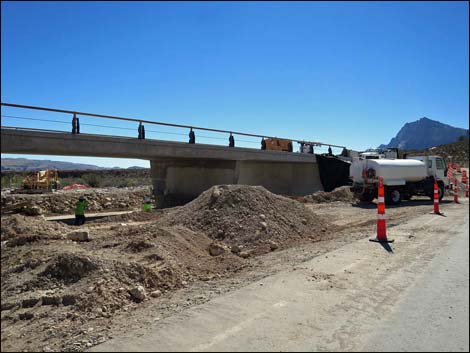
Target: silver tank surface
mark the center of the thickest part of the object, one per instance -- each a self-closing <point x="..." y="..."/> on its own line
<point x="394" y="171"/>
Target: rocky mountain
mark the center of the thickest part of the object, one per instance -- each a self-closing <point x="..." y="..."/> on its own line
<point x="24" y="164"/>
<point x="425" y="133"/>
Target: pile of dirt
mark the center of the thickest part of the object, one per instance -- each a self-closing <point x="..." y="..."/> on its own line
<point x="63" y="202"/>
<point x="18" y="226"/>
<point x="342" y="194"/>
<point x="249" y="217"/>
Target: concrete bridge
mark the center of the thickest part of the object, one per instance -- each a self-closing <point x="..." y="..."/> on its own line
<point x="180" y="171"/>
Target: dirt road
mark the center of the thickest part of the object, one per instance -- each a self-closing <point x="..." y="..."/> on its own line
<point x="357" y="297"/>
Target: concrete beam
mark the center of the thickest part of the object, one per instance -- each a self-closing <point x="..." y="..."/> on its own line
<point x="23" y="141"/>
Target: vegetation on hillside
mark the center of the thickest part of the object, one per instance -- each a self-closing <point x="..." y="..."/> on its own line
<point x="456" y="152"/>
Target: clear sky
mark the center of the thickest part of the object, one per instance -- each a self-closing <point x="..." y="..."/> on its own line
<point x="347" y="73"/>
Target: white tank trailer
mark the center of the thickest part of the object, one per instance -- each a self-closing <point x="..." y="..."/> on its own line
<point x="402" y="178"/>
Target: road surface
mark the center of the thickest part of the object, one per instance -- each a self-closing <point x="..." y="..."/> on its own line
<point x="359" y="297"/>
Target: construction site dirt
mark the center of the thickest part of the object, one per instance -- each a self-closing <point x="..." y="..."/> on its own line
<point x="67" y="288"/>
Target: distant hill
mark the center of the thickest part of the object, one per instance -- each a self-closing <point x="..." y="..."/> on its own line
<point x="425" y="133"/>
<point x="24" y="164"/>
<point x="457" y="152"/>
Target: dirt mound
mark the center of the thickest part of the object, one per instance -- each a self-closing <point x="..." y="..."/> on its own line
<point x="70" y="267"/>
<point x="18" y="225"/>
<point x="248" y="216"/>
<point x="342" y="193"/>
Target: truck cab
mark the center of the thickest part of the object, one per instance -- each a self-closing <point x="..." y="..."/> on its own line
<point x="436" y="166"/>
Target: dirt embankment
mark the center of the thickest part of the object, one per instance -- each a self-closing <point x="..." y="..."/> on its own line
<point x="60" y="294"/>
<point x="63" y="202"/>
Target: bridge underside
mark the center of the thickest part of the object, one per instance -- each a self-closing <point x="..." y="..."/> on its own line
<point x="180" y="171"/>
<point x="178" y="181"/>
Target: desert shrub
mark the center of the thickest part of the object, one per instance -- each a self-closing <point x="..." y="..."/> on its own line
<point x="92" y="179"/>
<point x="12" y="181"/>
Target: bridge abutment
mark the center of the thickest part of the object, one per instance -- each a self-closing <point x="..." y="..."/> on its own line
<point x="178" y="181"/>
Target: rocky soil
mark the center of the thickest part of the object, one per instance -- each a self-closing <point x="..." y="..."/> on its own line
<point x="63" y="202"/>
<point x="249" y="217"/>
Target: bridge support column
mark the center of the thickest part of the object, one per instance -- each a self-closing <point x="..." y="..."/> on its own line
<point x="159" y="173"/>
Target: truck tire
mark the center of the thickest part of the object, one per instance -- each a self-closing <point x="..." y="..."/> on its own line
<point x="393" y="196"/>
<point x="441" y="191"/>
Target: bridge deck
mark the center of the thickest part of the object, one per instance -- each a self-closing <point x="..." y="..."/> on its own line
<point x="29" y="141"/>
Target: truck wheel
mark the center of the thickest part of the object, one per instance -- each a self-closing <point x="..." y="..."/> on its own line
<point x="441" y="192"/>
<point x="394" y="197"/>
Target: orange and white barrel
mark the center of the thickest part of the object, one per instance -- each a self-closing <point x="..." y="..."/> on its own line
<point x="436" y="197"/>
<point x="464" y="176"/>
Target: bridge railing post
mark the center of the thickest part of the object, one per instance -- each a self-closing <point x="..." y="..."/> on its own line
<point x="141" y="131"/>
<point x="192" y="136"/>
<point x="75" y="124"/>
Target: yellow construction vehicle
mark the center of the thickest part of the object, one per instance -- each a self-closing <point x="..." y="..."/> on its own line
<point x="41" y="181"/>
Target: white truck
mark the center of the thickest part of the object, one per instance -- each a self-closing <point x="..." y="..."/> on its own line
<point x="402" y="178"/>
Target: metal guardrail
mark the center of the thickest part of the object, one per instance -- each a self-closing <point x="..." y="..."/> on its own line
<point x="78" y="113"/>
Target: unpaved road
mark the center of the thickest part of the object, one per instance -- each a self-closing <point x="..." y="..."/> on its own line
<point x="357" y="297"/>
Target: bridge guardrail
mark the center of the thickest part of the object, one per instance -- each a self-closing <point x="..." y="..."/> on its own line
<point x="75" y="123"/>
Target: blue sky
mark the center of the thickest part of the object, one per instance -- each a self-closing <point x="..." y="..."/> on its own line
<point x="347" y="73"/>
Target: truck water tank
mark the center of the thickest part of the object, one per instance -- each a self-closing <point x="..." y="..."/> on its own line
<point x="398" y="169"/>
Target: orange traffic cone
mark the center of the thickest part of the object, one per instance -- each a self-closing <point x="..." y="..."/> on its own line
<point x="381" y="223"/>
<point x="436" y="198"/>
<point x="456" y="191"/>
<point x="464" y="176"/>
